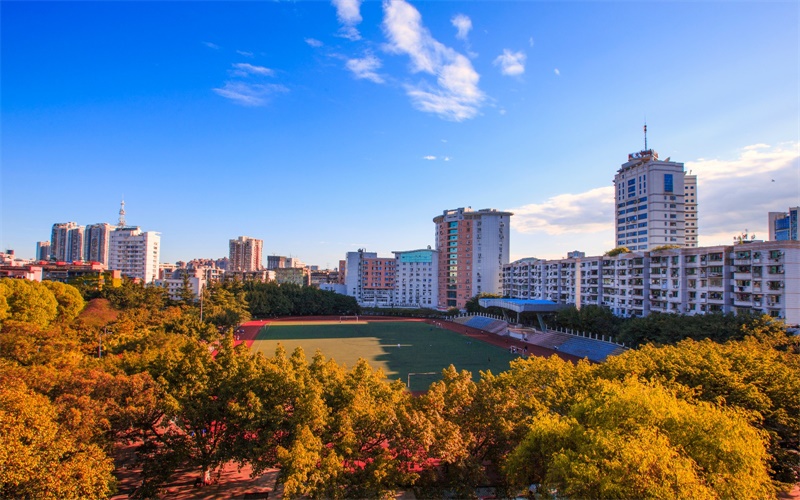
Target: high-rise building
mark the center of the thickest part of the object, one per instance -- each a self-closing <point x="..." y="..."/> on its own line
<point x="417" y="278"/>
<point x="245" y="254"/>
<point x="97" y="240"/>
<point x="783" y="225"/>
<point x="42" y="250"/>
<point x="656" y="203"/>
<point x="66" y="242"/>
<point x="370" y="279"/>
<point x="134" y="252"/>
<point x="473" y="246"/>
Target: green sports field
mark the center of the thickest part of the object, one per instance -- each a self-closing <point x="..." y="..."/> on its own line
<point x="399" y="348"/>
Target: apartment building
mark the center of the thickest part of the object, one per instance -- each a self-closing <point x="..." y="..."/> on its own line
<point x="757" y="276"/>
<point x="66" y="242"/>
<point x="245" y="254"/>
<point x="783" y="225"/>
<point x="97" y="238"/>
<point x="473" y="246"/>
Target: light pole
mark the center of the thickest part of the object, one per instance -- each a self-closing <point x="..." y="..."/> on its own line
<point x="408" y="379"/>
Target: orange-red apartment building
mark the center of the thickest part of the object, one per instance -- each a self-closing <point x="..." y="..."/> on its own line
<point x="473" y="246"/>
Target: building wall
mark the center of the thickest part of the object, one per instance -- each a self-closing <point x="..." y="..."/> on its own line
<point x="97" y="241"/>
<point x="61" y="241"/>
<point x="43" y="250"/>
<point x="783" y="226"/>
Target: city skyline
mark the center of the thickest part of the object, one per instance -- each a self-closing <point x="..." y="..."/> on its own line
<point x="322" y="128"/>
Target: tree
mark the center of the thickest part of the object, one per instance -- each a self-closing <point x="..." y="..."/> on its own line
<point x="40" y="459"/>
<point x="29" y="301"/>
<point x="70" y="301"/>
<point x="617" y="251"/>
<point x="628" y="439"/>
<point x="473" y="305"/>
<point x="225" y="305"/>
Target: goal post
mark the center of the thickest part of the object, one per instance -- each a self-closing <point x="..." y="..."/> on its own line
<point x="348" y="318"/>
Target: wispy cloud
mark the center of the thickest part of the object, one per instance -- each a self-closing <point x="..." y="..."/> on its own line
<point x="211" y="45"/>
<point x="557" y="72"/>
<point x="429" y="157"/>
<point x="456" y="95"/>
<point x="588" y="212"/>
<point x="511" y="63"/>
<point x="365" y="68"/>
<point x="737" y="194"/>
<point x="244" y="53"/>
<point x="530" y="41"/>
<point x="463" y="25"/>
<point x="250" y="94"/>
<point x="349" y="15"/>
<point x="314" y="42"/>
<point x="245" y="69"/>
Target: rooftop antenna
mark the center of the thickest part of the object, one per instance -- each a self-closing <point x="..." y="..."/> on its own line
<point x="645" y="135"/>
<point x="121" y="222"/>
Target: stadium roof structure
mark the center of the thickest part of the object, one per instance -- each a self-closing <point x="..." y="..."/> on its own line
<point x="525" y="305"/>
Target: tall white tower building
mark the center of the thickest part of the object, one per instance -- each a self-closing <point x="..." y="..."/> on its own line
<point x="656" y="203"/>
<point x="135" y="253"/>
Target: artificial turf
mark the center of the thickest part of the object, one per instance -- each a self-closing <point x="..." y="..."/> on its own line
<point x="399" y="348"/>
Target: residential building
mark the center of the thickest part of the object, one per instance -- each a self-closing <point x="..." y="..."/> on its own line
<point x="42" y="250"/>
<point x="173" y="281"/>
<point x="757" y="276"/>
<point x="91" y="274"/>
<point x="134" y="252"/>
<point x="66" y="242"/>
<point x="472" y="248"/>
<point x="245" y="254"/>
<point x="416" y="278"/>
<point x="783" y="225"/>
<point x="97" y="239"/>
<point x="276" y="261"/>
<point x="655" y="203"/>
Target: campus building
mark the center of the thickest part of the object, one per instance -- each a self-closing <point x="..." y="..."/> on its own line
<point x="370" y="279"/>
<point x="245" y="254"/>
<point x="783" y="225"/>
<point x="42" y="250"/>
<point x="473" y="246"/>
<point x="656" y="203"/>
<point x="417" y="278"/>
<point x="134" y="252"/>
<point x="753" y="276"/>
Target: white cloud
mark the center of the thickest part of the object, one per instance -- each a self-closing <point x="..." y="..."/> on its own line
<point x="530" y="41"/>
<point x="429" y="157"/>
<point x="456" y="95"/>
<point x="244" y="53"/>
<point x="511" y="63"/>
<point x="588" y="212"/>
<point x="365" y="68"/>
<point x="349" y="15"/>
<point x="463" y="24"/>
<point x="245" y="69"/>
<point x="737" y="194"/>
<point x="211" y="45"/>
<point x="249" y="94"/>
<point x="314" y="42"/>
<point x="557" y="72"/>
<point x="446" y="158"/>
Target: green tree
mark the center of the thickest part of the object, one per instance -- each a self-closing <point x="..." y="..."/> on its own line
<point x="29" y="301"/>
<point x="617" y="251"/>
<point x="70" y="301"/>
<point x="225" y="305"/>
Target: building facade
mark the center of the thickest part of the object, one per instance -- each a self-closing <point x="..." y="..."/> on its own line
<point x="756" y="276"/>
<point x="472" y="248"/>
<point x="245" y="254"/>
<point x="66" y="242"/>
<point x="783" y="225"/>
<point x="135" y="253"/>
<point x="656" y="202"/>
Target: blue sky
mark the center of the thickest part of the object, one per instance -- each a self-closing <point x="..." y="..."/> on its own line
<point x="325" y="127"/>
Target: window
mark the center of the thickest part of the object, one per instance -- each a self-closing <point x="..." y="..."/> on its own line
<point x="668" y="183"/>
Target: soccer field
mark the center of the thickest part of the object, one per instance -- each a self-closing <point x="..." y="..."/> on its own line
<point x="399" y="348"/>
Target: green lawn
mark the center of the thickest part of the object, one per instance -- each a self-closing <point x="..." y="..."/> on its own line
<point x="399" y="348"/>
